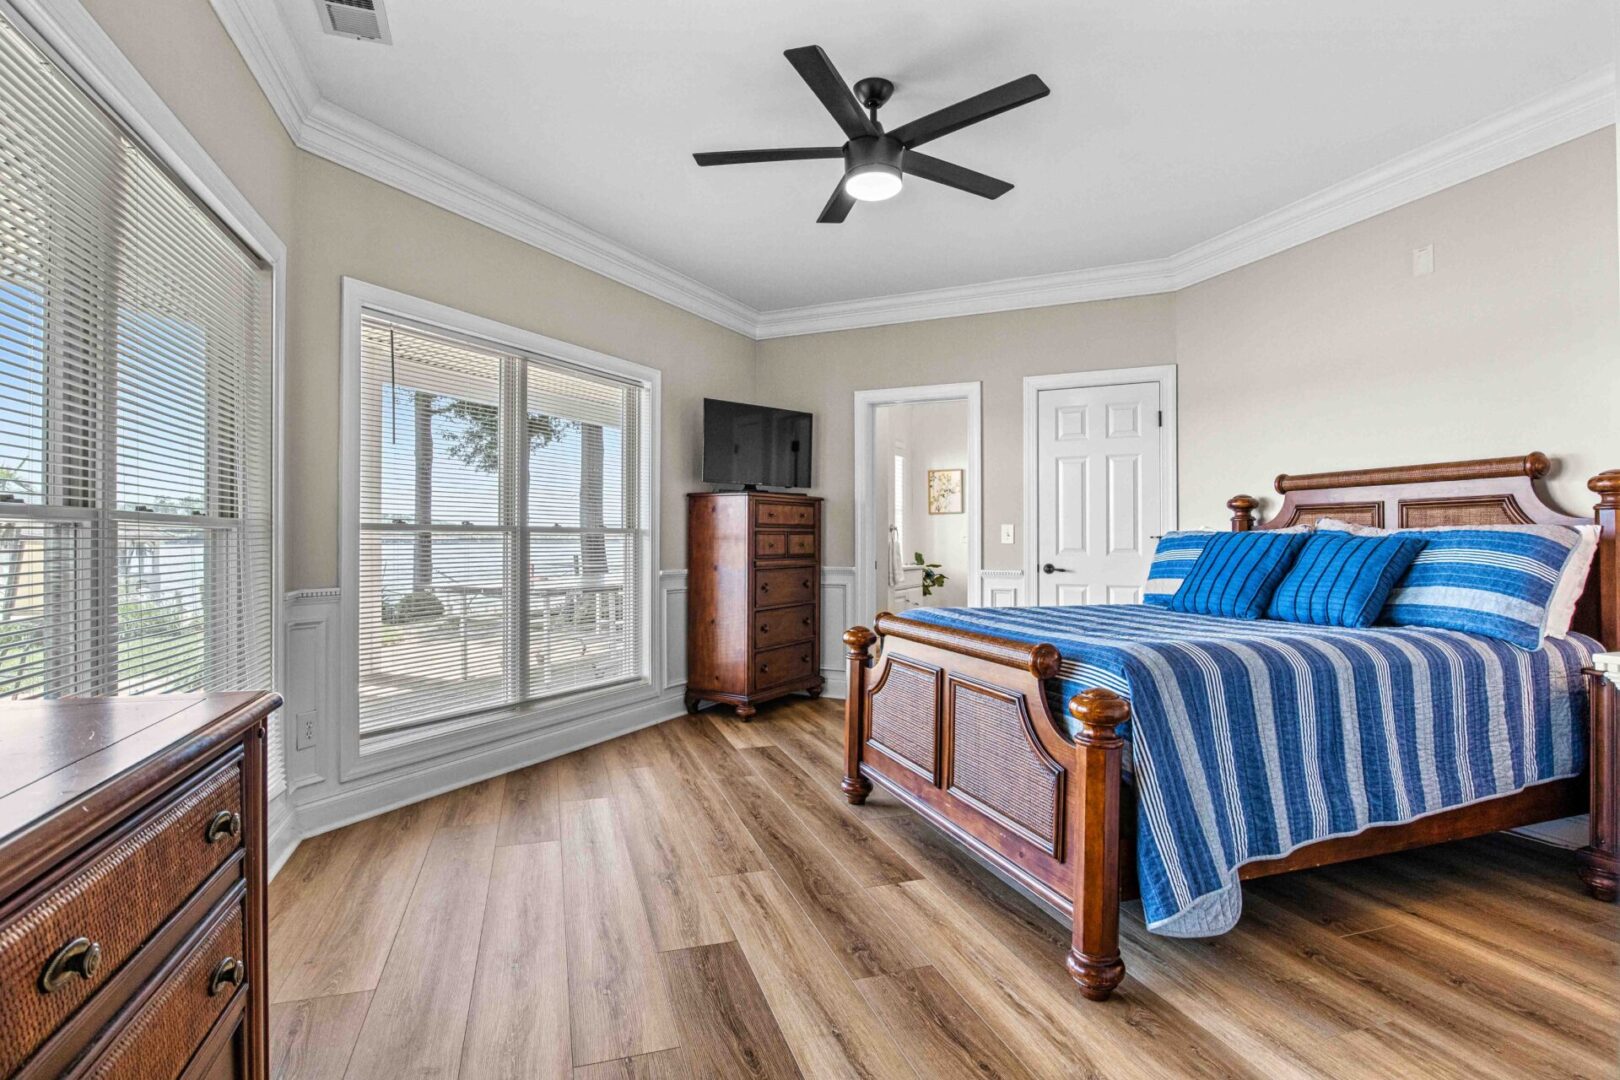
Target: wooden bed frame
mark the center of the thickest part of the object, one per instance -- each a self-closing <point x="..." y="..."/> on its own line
<point x="956" y="724"/>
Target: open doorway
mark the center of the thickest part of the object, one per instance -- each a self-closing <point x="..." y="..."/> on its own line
<point x="917" y="494"/>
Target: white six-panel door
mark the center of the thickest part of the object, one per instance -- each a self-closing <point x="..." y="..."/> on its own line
<point x="1098" y="492"/>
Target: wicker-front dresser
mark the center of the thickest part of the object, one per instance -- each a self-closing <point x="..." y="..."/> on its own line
<point x="132" y="887"/>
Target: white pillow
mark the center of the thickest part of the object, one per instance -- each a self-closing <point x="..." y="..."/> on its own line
<point x="1571" y="579"/>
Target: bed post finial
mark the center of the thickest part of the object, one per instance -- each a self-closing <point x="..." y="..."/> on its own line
<point x="1094" y="840"/>
<point x="1242" y="507"/>
<point x="858" y="639"/>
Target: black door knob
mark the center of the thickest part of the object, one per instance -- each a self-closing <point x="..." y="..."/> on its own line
<point x="1050" y="569"/>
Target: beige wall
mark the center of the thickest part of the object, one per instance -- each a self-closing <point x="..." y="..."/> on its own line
<point x="1329" y="355"/>
<point x="336" y="223"/>
<point x="1333" y="355"/>
<point x="820" y="372"/>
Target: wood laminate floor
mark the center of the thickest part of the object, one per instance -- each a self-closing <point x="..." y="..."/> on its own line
<point x="696" y="899"/>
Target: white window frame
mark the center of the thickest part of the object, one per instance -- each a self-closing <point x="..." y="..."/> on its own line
<point x="454" y="737"/>
<point x="71" y="36"/>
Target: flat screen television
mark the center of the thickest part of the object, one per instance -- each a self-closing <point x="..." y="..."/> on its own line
<point x="755" y="446"/>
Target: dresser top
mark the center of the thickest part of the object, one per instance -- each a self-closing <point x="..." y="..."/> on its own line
<point x="59" y="753"/>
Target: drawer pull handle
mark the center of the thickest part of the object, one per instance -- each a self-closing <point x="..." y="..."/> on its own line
<point x="79" y="957"/>
<point x="224" y="823"/>
<point x="764" y="586"/>
<point x="230" y="972"/>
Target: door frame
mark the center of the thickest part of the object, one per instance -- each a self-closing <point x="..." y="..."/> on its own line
<point x="866" y="548"/>
<point x="1165" y="376"/>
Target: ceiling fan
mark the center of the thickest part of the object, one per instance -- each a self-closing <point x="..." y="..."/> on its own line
<point x="876" y="160"/>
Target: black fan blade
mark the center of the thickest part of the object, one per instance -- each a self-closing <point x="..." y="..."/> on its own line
<point x="814" y="67"/>
<point x="838" y="207"/>
<point x="943" y="172"/>
<point x="749" y="157"/>
<point x="971" y="111"/>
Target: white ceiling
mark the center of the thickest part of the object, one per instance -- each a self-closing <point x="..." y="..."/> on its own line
<point x="1169" y="122"/>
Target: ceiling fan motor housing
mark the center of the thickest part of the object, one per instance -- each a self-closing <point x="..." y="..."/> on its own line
<point x="873" y="152"/>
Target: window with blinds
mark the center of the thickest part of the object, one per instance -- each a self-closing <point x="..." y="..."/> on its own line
<point x="135" y="414"/>
<point x="503" y="539"/>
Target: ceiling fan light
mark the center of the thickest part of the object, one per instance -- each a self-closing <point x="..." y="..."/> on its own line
<point x="873" y="183"/>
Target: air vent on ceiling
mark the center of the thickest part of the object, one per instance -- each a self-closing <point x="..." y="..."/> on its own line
<point x="363" y="20"/>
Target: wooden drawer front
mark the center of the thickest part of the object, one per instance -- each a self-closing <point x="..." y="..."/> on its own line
<point x="775" y="513"/>
<point x="776" y="545"/>
<point x="774" y="588"/>
<point x="158" y="1042"/>
<point x="782" y="625"/>
<point x="775" y="666"/>
<point x="116" y="901"/>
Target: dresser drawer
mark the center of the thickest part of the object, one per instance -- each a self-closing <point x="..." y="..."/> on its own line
<point x="88" y="924"/>
<point x="776" y="588"/>
<point x="782" y="625"/>
<point x="773" y="667"/>
<point x="784" y="513"/>
<point x="161" y="1038"/>
<point x="778" y="545"/>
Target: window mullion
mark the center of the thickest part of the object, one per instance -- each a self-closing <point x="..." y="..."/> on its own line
<point x="514" y="415"/>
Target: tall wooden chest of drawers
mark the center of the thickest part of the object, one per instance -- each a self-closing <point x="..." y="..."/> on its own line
<point x="132" y="887"/>
<point x="753" y="597"/>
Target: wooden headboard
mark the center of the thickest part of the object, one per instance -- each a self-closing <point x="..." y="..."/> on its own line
<point x="1491" y="491"/>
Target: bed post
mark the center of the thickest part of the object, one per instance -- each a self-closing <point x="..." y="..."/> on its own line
<point x="1242" y="507"/>
<point x="1094" y="841"/>
<point x="1600" y="860"/>
<point x="859" y="641"/>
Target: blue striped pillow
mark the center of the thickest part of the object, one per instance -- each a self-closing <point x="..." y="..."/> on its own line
<point x="1172" y="559"/>
<point x="1236" y="574"/>
<point x="1495" y="582"/>
<point x="1343" y="580"/>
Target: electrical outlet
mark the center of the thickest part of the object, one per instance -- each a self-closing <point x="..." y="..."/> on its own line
<point x="304" y="730"/>
<point x="1006" y="534"/>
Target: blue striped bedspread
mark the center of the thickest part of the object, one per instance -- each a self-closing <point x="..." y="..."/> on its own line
<point x="1250" y="738"/>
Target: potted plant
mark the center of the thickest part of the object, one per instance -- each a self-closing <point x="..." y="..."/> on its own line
<point x="931" y="577"/>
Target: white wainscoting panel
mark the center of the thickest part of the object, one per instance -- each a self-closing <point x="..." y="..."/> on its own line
<point x="837" y="605"/>
<point x="672" y="608"/>
<point x="310" y="623"/>
<point x="1002" y="588"/>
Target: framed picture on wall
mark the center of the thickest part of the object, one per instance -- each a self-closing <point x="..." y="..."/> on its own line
<point x="945" y="491"/>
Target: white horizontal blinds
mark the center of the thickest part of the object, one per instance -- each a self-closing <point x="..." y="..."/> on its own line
<point x="501" y="536"/>
<point x="135" y="414"/>
<point x="586" y="605"/>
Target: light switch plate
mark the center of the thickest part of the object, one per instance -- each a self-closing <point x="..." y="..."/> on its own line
<point x="1006" y="534"/>
<point x="1423" y="261"/>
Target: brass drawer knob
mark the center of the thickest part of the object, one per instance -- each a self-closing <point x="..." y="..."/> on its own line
<point x="229" y="972"/>
<point x="79" y="958"/>
<point x="225" y="823"/>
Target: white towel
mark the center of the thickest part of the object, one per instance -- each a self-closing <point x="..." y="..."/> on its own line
<point x="897" y="562"/>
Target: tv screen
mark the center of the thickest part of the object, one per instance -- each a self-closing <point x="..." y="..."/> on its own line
<point x="752" y="444"/>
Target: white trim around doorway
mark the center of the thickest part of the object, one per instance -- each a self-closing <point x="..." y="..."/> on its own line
<point x="1165" y="376"/>
<point x="866" y="548"/>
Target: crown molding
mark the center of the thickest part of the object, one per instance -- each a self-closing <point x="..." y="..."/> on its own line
<point x="326" y="130"/>
<point x="1575" y="109"/>
<point x="321" y="128"/>
<point x="1011" y="294"/>
<point x="1579" y="108"/>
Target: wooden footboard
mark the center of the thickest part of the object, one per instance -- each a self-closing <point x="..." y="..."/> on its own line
<point x="956" y="725"/>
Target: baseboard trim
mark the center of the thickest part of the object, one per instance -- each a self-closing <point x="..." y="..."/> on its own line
<point x="281" y="829"/>
<point x="363" y="801"/>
